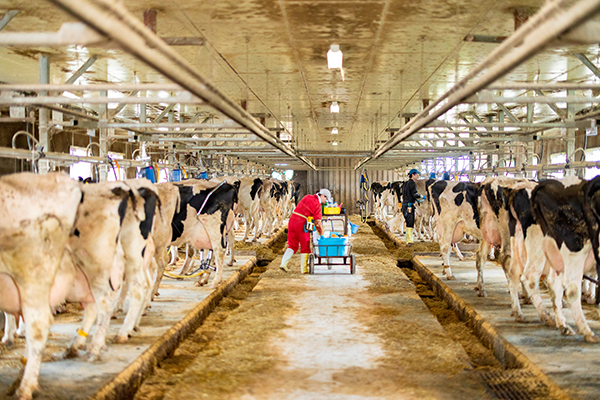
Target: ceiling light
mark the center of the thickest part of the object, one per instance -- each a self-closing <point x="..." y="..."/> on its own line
<point x="334" y="131"/>
<point x="334" y="57"/>
<point x="334" y="143"/>
<point x="334" y="108"/>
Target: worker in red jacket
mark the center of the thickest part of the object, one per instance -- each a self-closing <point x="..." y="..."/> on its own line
<point x="298" y="235"/>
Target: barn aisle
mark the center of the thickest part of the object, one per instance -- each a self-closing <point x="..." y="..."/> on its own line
<point x="362" y="336"/>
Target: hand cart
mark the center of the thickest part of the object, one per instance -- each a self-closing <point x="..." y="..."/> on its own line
<point x="332" y="251"/>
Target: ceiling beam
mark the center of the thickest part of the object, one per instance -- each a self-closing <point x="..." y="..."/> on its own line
<point x="115" y="22"/>
<point x="552" y="20"/>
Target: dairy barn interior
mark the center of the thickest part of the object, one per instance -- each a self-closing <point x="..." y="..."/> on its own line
<point x="159" y="160"/>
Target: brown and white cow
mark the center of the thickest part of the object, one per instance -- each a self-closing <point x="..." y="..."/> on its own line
<point x="37" y="213"/>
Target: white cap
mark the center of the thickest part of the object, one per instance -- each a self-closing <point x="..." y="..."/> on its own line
<point x="326" y="193"/>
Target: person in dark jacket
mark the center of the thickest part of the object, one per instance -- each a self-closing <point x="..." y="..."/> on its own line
<point x="410" y="196"/>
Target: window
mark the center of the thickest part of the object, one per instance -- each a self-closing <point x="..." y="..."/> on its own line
<point x="287" y="175"/>
<point x="81" y="169"/>
<point x="592" y="155"/>
<point x="558" y="158"/>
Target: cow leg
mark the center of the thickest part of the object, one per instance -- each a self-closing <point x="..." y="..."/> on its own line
<point x="219" y="257"/>
<point x="535" y="262"/>
<point x="10" y="329"/>
<point x="190" y="251"/>
<point x="118" y="307"/>
<point x="136" y="267"/>
<point x="482" y="253"/>
<point x="574" y="266"/>
<point x="231" y="247"/>
<point x="38" y="318"/>
<point x="174" y="255"/>
<point x="90" y="314"/>
<point x="161" y="265"/>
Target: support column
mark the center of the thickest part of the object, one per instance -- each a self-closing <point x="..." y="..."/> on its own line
<point x="103" y="138"/>
<point x="44" y="67"/>
<point x="570" y="140"/>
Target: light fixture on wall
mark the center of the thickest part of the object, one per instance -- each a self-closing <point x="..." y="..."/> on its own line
<point x="334" y="131"/>
<point x="334" y="143"/>
<point x="334" y="108"/>
<point x="335" y="58"/>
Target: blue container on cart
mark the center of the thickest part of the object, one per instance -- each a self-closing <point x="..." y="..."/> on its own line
<point x="333" y="247"/>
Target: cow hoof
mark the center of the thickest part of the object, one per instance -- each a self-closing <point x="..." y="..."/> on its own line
<point x="451" y="278"/>
<point x="91" y="356"/>
<point x="567" y="331"/>
<point x="591" y="338"/>
<point x="72" y="352"/>
<point x="7" y="343"/>
<point x="120" y="339"/>
<point x="519" y="318"/>
<point x="548" y="320"/>
<point x="481" y="293"/>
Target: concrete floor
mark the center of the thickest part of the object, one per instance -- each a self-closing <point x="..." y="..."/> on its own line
<point x="333" y="345"/>
<point x="568" y="360"/>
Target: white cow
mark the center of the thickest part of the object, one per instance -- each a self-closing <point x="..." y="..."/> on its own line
<point x="37" y="213"/>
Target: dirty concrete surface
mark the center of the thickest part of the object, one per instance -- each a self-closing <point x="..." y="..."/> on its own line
<point x="342" y="336"/>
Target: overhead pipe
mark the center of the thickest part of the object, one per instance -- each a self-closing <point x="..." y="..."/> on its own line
<point x="550" y="22"/>
<point x="115" y="22"/>
<point x="70" y="33"/>
<point x="100" y="87"/>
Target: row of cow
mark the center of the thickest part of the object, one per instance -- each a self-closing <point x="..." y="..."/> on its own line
<point x="100" y="244"/>
<point x="548" y="229"/>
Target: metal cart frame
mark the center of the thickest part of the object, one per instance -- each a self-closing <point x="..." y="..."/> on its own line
<point x="314" y="258"/>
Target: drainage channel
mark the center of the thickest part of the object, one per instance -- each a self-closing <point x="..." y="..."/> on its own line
<point x="168" y="372"/>
<point x="510" y="384"/>
<point x="503" y="383"/>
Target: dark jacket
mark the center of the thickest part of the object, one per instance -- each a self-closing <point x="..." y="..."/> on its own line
<point x="409" y="192"/>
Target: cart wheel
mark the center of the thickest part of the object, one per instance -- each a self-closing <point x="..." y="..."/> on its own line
<point x="311" y="264"/>
<point x="352" y="264"/>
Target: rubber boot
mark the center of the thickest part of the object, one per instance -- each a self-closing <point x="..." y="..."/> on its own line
<point x="304" y="263"/>
<point x="409" y="239"/>
<point x="286" y="258"/>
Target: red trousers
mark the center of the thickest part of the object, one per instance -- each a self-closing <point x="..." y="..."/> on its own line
<point x="297" y="236"/>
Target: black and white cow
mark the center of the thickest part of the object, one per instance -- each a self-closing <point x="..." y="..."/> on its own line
<point x="567" y="212"/>
<point x="205" y="219"/>
<point x="455" y="210"/>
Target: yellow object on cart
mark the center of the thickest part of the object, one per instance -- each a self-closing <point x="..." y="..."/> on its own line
<point x="331" y="210"/>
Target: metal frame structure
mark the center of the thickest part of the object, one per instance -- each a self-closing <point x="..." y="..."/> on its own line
<point x="493" y="134"/>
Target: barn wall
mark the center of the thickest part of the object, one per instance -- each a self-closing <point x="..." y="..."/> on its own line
<point x="338" y="175"/>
